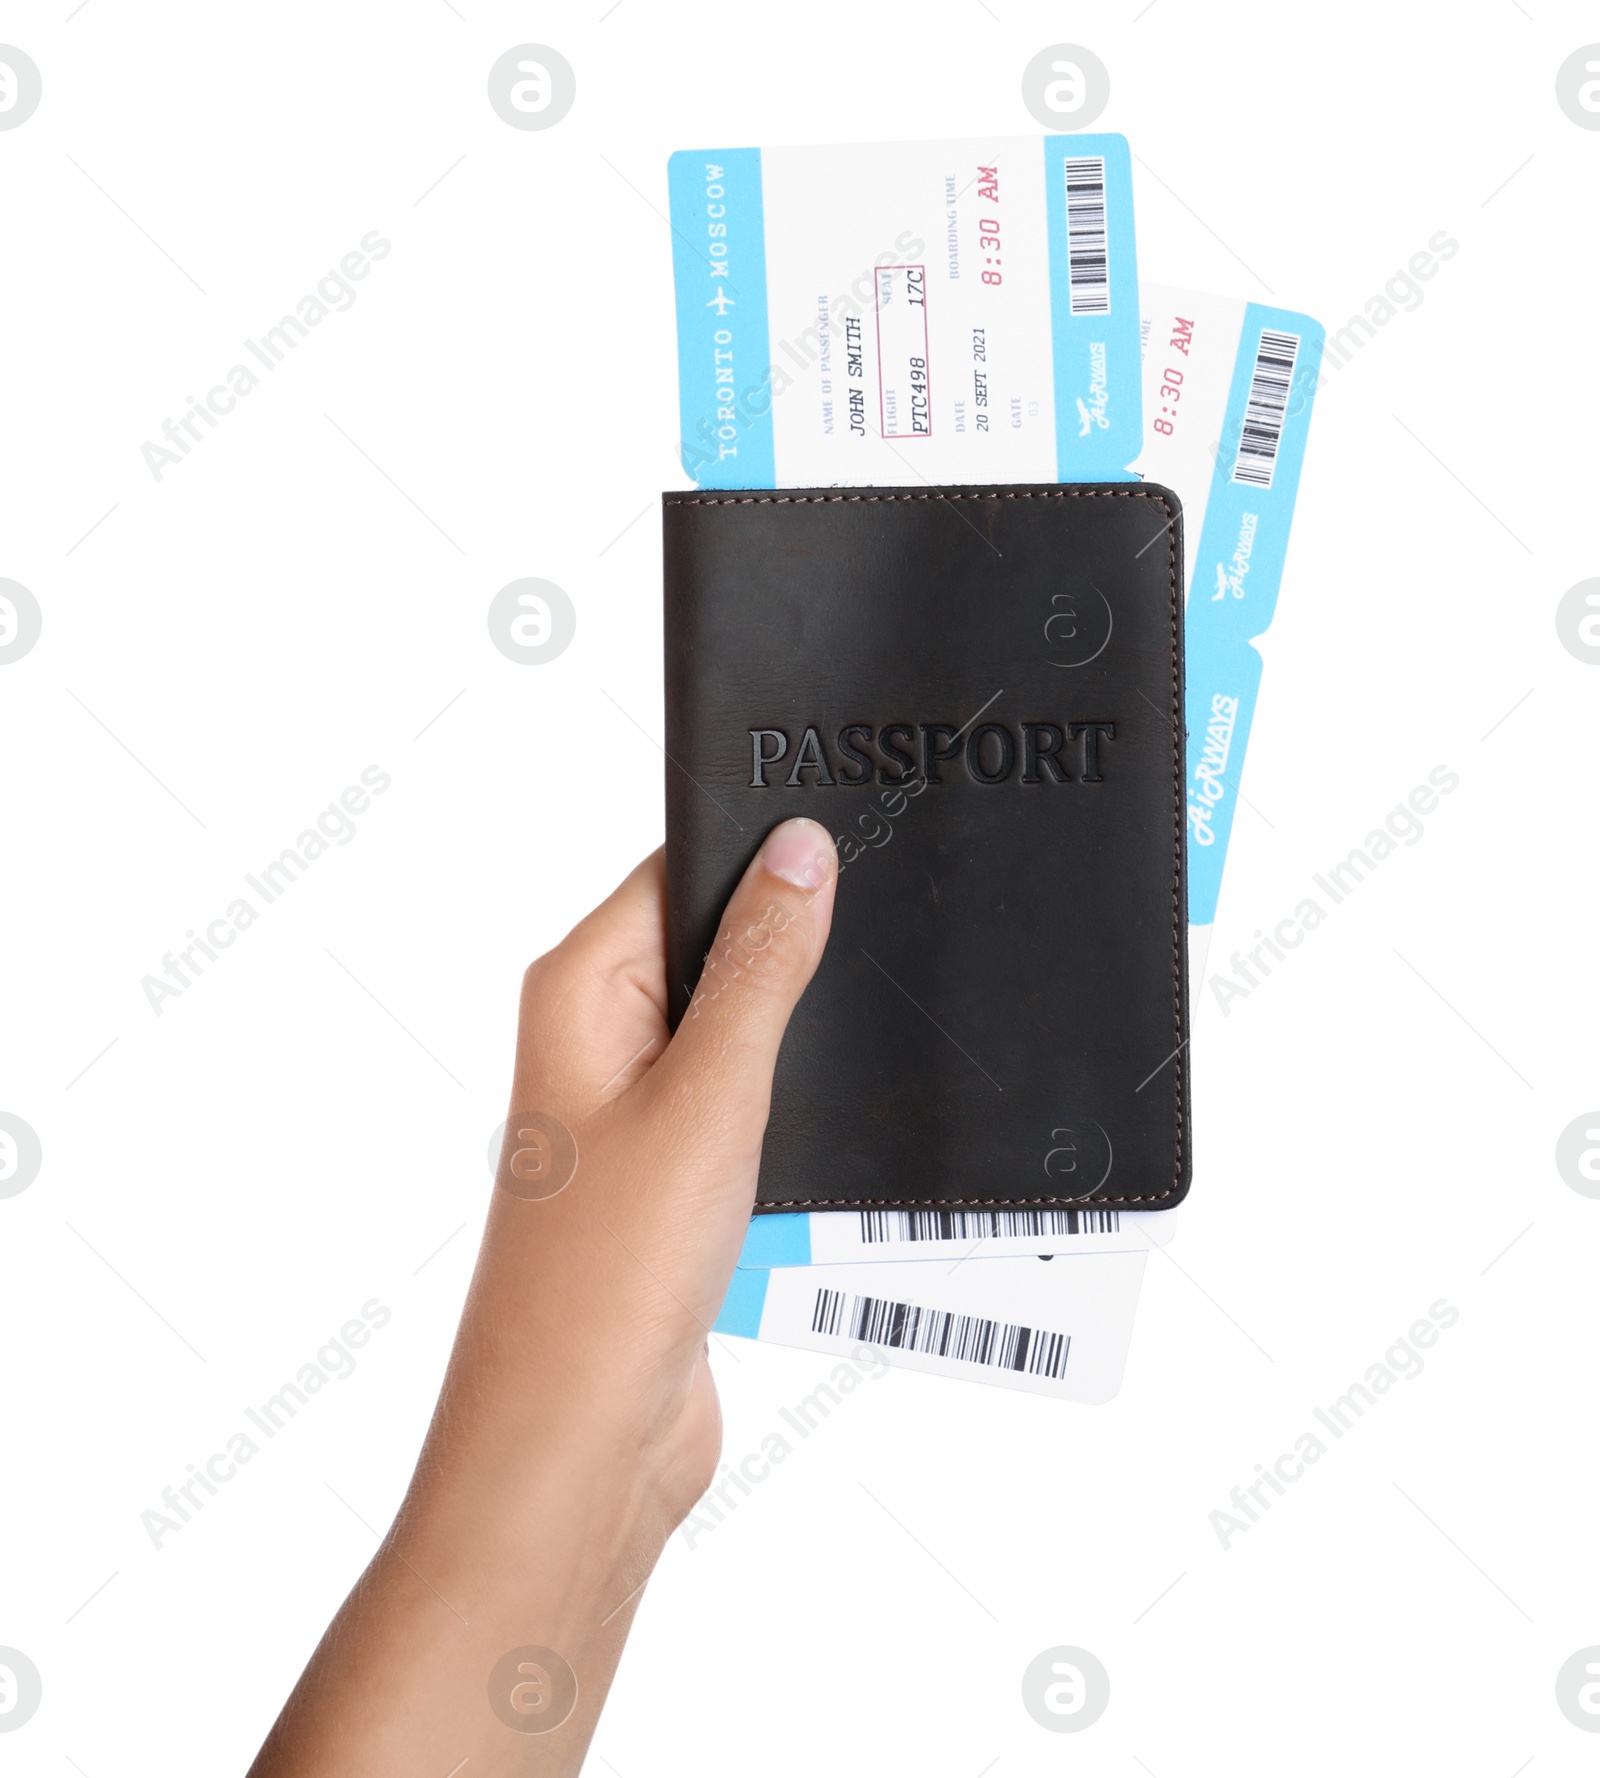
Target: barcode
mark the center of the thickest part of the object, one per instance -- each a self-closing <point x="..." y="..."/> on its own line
<point x="875" y="1321"/>
<point x="1264" y="411"/>
<point x="977" y="1225"/>
<point x="1089" y="283"/>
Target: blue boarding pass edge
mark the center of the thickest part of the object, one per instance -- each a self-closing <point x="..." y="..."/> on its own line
<point x="719" y="277"/>
<point x="1222" y="666"/>
<point x="746" y="1300"/>
<point x="781" y="1239"/>
<point x="1105" y="453"/>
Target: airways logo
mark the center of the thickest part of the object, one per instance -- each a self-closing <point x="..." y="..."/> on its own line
<point x="1092" y="413"/>
<point x="1048" y="752"/>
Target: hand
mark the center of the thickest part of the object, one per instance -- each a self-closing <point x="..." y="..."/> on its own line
<point x="578" y="1422"/>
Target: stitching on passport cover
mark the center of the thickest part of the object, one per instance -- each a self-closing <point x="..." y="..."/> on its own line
<point x="1174" y="618"/>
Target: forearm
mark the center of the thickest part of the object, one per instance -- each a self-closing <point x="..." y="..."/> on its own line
<point x="547" y="1553"/>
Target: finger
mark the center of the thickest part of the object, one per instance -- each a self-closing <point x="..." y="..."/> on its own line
<point x="625" y="934"/>
<point x="767" y="948"/>
<point x="597" y="1000"/>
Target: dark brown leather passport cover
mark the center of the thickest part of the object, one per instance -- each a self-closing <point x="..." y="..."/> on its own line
<point x="979" y="692"/>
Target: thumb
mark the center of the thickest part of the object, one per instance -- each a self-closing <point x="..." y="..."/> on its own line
<point x="766" y="950"/>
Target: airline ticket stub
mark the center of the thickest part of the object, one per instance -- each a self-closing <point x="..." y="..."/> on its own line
<point x="1228" y="387"/>
<point x="1058" y="1327"/>
<point x="899" y="313"/>
<point x="857" y="1237"/>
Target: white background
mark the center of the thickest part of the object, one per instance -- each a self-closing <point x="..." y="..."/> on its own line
<point x="276" y="1149"/>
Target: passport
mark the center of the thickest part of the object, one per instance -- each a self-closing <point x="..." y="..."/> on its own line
<point x="979" y="692"/>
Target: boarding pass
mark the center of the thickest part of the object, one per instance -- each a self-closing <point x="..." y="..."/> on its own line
<point x="900" y="313"/>
<point x="878" y="1237"/>
<point x="1057" y="1327"/>
<point x="1228" y="387"/>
